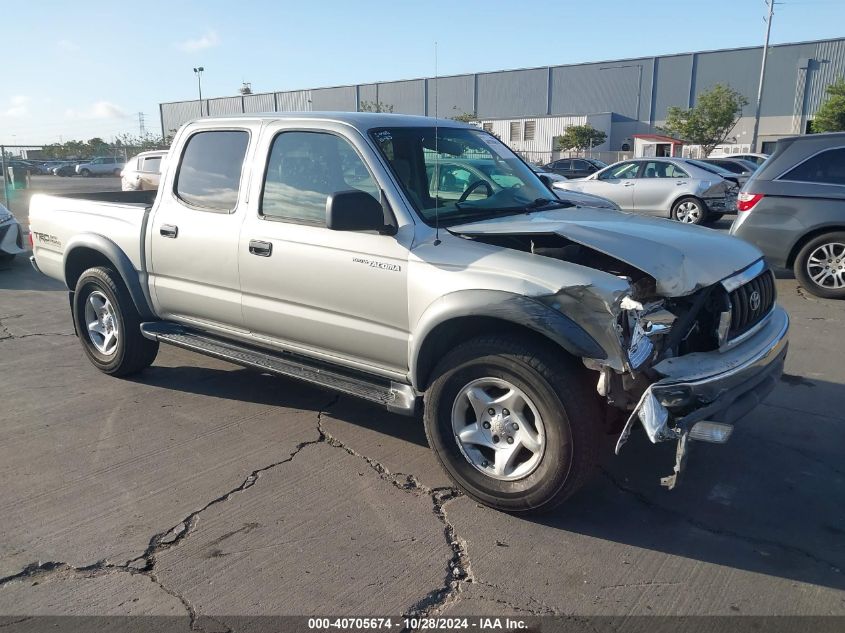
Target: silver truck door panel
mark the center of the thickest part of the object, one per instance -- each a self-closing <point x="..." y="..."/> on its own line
<point x="195" y="230"/>
<point x="327" y="290"/>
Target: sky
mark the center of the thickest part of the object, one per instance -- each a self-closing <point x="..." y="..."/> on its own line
<point x="74" y="70"/>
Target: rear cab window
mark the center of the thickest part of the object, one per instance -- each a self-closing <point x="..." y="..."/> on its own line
<point x="209" y="175"/>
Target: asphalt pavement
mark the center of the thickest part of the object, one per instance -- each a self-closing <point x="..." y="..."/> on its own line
<point x="201" y="489"/>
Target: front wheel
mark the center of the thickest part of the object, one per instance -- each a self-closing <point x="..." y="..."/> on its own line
<point x="85" y="172"/>
<point x="820" y="265"/>
<point x="689" y="211"/>
<point x="108" y="324"/>
<point x="513" y="424"/>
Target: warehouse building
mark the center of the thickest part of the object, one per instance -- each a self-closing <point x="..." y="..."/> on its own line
<point x="626" y="98"/>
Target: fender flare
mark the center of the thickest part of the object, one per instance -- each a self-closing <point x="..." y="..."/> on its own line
<point x="134" y="280"/>
<point x="506" y="306"/>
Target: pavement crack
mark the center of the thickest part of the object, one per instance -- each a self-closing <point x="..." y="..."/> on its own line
<point x="701" y="525"/>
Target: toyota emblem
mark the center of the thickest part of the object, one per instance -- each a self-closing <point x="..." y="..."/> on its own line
<point x="754" y="301"/>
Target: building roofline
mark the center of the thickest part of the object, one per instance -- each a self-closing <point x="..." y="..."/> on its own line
<point x="508" y="70"/>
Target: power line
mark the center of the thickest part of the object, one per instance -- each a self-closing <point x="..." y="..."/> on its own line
<point x="141" y="129"/>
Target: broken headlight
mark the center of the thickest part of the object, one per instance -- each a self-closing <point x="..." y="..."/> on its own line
<point x="642" y="326"/>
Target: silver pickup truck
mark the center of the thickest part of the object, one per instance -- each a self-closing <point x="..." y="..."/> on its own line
<point x="420" y="264"/>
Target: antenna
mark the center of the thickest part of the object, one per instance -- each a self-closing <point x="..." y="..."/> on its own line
<point x="436" y="158"/>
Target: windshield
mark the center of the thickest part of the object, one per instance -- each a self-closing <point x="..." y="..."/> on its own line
<point x="460" y="174"/>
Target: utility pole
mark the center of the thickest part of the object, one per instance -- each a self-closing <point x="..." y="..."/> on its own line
<point x="141" y="129"/>
<point x="771" y="5"/>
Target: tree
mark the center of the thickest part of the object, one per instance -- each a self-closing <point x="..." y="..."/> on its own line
<point x="375" y="106"/>
<point x="579" y="137"/>
<point x="710" y="121"/>
<point x="831" y="114"/>
<point x="464" y="117"/>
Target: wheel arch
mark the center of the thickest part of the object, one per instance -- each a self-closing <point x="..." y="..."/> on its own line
<point x="86" y="251"/>
<point x="809" y="236"/>
<point x="462" y="315"/>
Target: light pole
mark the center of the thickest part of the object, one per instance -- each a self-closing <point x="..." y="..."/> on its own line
<point x="198" y="72"/>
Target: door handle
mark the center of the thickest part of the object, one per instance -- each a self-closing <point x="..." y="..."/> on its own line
<point x="169" y="230"/>
<point x="629" y="184"/>
<point x="262" y="249"/>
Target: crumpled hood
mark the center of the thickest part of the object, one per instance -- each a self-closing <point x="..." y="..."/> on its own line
<point x="681" y="257"/>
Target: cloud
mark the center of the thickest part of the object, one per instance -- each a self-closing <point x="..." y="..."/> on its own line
<point x="98" y="110"/>
<point x="209" y="39"/>
<point x="68" y="46"/>
<point x="18" y="107"/>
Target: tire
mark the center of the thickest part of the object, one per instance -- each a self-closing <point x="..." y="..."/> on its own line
<point x="85" y="173"/>
<point x="100" y="291"/>
<point x="565" y="417"/>
<point x="820" y="265"/>
<point x="712" y="218"/>
<point x="690" y="210"/>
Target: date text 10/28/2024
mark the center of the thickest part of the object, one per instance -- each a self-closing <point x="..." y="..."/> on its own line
<point x="417" y="624"/>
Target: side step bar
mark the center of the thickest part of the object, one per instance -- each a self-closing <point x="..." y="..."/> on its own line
<point x="396" y="397"/>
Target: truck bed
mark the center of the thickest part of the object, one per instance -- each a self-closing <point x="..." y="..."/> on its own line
<point x="56" y="221"/>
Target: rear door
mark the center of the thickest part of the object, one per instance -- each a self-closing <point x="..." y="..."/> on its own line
<point x="659" y="184"/>
<point x="614" y="183"/>
<point x="306" y="288"/>
<point x="193" y="234"/>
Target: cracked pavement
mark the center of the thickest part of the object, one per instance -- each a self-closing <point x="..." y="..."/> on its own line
<point x="207" y="491"/>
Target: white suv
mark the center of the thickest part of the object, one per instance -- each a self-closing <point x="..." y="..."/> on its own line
<point x="102" y="166"/>
<point x="143" y="172"/>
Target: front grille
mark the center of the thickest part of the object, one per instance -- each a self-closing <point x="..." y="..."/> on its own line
<point x="751" y="302"/>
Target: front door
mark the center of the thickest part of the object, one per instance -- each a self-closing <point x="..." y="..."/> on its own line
<point x="615" y="183"/>
<point x="311" y="289"/>
<point x="195" y="229"/>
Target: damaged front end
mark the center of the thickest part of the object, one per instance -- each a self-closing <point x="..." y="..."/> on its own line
<point x="706" y="360"/>
<point x="689" y="351"/>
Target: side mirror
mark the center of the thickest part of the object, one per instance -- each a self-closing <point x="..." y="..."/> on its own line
<point x="544" y="178"/>
<point x="355" y="210"/>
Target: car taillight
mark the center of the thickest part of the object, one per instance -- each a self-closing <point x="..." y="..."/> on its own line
<point x="747" y="201"/>
<point x="31" y="243"/>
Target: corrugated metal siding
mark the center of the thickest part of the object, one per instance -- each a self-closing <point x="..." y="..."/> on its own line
<point x="175" y="114"/>
<point x="738" y="69"/>
<point x="672" y="84"/>
<point x="260" y="103"/>
<point x="828" y="67"/>
<point x="334" y="99"/>
<point x="513" y="93"/>
<point x="781" y="85"/>
<point x="602" y="88"/>
<point x="225" y="105"/>
<point x="546" y="128"/>
<point x="406" y="97"/>
<point x="368" y="93"/>
<point x="293" y="101"/>
<point x="455" y="95"/>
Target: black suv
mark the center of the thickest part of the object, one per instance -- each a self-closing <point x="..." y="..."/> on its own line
<point x="575" y="167"/>
<point x="793" y="209"/>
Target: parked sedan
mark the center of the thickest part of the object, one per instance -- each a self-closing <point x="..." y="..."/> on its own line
<point x="675" y="188"/>
<point x="575" y="167"/>
<point x="142" y="172"/>
<point x="793" y="209"/>
<point x="67" y="169"/>
<point x="742" y="169"/>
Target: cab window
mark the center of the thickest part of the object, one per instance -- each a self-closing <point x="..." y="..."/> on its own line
<point x="303" y="169"/>
<point x="209" y="174"/>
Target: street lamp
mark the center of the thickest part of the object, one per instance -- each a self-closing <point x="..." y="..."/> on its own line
<point x="198" y="72"/>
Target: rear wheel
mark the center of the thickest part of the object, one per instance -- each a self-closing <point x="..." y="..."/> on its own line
<point x="85" y="172"/>
<point x="689" y="211"/>
<point x="108" y="324"/>
<point x="513" y="424"/>
<point x="820" y="265"/>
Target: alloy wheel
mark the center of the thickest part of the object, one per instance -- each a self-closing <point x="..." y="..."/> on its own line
<point x="498" y="429"/>
<point x="826" y="265"/>
<point x="688" y="212"/>
<point x="101" y="320"/>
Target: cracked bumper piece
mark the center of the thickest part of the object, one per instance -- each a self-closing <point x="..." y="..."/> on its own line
<point x="718" y="386"/>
